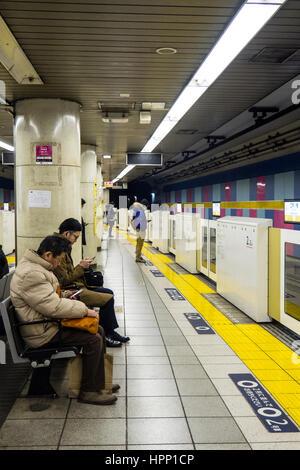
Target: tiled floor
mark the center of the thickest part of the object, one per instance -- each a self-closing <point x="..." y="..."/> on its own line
<point x="175" y="389"/>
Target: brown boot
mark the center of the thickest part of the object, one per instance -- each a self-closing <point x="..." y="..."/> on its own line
<point x="94" y="398"/>
<point x="113" y="389"/>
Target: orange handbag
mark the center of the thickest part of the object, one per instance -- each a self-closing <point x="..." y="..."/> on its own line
<point x="90" y="324"/>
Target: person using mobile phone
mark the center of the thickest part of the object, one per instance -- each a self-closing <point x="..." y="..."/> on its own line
<point x="68" y="274"/>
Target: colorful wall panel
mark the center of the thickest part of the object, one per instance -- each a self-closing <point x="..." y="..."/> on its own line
<point x="260" y="195"/>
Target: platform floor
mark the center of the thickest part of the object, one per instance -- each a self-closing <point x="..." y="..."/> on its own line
<point x="176" y="392"/>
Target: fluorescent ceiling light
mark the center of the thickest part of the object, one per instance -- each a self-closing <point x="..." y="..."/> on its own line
<point x="6" y="146"/>
<point x="115" y="120"/>
<point x="14" y="59"/>
<point x="248" y="21"/>
<point x="126" y="170"/>
<point x="152" y="106"/>
<point x="106" y="156"/>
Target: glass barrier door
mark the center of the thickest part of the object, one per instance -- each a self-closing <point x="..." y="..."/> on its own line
<point x="204" y="247"/>
<point x="290" y="279"/>
<point x="212" y="250"/>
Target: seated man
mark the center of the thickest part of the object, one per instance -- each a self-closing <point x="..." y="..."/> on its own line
<point x="68" y="275"/>
<point x="33" y="292"/>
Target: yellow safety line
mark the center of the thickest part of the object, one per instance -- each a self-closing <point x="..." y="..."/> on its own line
<point x="275" y="365"/>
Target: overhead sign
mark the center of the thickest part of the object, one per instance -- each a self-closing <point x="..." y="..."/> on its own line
<point x="144" y="159"/>
<point x="108" y="184"/>
<point x="266" y="409"/>
<point x="8" y="158"/>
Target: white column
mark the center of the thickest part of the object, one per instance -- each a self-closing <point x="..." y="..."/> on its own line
<point x="89" y="194"/>
<point x="47" y="177"/>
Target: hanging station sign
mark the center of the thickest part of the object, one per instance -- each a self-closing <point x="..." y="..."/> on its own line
<point x="144" y="159"/>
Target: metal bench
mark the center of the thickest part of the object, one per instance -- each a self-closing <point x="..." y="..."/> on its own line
<point x="5" y="285"/>
<point x="41" y="358"/>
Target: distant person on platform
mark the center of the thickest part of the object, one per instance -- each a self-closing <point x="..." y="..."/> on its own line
<point x="83" y="225"/>
<point x="139" y="224"/>
<point x="110" y="217"/>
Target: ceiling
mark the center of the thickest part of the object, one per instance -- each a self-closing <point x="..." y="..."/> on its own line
<point x="93" y="51"/>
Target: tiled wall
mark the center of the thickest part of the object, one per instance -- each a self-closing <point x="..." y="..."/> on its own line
<point x="266" y="193"/>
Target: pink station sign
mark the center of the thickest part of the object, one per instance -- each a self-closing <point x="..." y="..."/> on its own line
<point x="43" y="154"/>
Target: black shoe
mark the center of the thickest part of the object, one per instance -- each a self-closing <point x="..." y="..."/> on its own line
<point x="117" y="337"/>
<point x="112" y="343"/>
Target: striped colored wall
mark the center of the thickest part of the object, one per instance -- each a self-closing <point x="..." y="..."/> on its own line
<point x="259" y="196"/>
<point x="7" y="193"/>
<point x="7" y="196"/>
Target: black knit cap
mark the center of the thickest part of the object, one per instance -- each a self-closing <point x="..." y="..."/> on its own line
<point x="70" y="224"/>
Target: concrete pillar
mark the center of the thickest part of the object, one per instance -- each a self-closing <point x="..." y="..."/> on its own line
<point x="47" y="170"/>
<point x="89" y="194"/>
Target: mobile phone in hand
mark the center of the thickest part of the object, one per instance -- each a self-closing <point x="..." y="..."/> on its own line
<point x="76" y="293"/>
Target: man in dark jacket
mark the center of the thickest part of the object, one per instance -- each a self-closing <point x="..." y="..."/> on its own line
<point x="3" y="263"/>
<point x="68" y="275"/>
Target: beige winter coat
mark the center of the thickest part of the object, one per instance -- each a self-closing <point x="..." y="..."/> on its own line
<point x="33" y="292"/>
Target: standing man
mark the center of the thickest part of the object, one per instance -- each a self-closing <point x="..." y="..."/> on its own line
<point x="110" y="217"/>
<point x="139" y="223"/>
<point x="83" y="224"/>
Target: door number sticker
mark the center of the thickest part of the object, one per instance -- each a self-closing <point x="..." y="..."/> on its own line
<point x="267" y="410"/>
<point x="199" y="324"/>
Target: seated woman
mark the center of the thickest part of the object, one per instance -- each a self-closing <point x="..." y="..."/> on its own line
<point x="68" y="275"/>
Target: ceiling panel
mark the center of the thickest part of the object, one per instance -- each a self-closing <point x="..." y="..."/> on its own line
<point x="92" y="51"/>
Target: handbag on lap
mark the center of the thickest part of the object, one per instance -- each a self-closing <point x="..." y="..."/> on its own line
<point x="90" y="324"/>
<point x="93" y="278"/>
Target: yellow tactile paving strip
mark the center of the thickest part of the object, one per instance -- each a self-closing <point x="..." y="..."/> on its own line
<point x="11" y="259"/>
<point x="275" y="365"/>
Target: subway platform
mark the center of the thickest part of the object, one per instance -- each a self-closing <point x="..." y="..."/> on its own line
<point x="197" y="373"/>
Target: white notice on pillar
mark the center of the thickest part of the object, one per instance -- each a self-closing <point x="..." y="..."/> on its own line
<point x="39" y="198"/>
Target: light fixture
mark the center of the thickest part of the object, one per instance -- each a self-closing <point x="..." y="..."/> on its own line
<point x="106" y="156"/>
<point x="115" y="118"/>
<point x="145" y="117"/>
<point x="248" y="21"/>
<point x="124" y="172"/>
<point x="6" y="146"/>
<point x="14" y="60"/>
<point x="153" y="106"/>
<point x="166" y="50"/>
